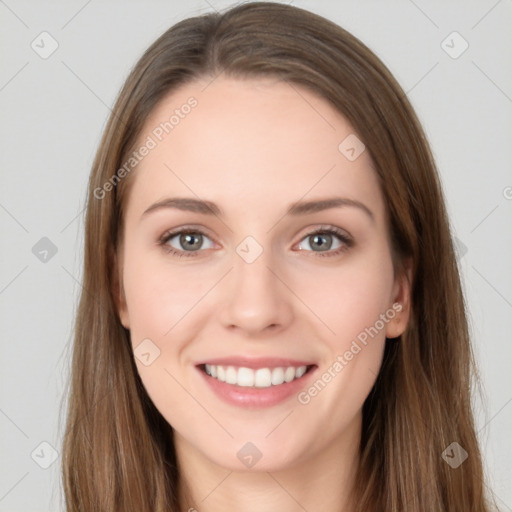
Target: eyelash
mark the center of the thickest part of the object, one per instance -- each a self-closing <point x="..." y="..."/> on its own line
<point x="347" y="241"/>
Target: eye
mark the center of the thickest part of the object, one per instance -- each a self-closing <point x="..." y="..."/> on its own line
<point x="190" y="241"/>
<point x="322" y="238"/>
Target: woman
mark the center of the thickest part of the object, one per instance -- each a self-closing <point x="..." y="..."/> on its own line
<point x="221" y="361"/>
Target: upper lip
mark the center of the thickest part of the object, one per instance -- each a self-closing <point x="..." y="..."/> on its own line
<point x="255" y="362"/>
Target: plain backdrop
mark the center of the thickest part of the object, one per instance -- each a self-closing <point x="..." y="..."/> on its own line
<point x="54" y="108"/>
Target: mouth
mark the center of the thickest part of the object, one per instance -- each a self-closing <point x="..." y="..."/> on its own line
<point x="255" y="382"/>
<point x="259" y="378"/>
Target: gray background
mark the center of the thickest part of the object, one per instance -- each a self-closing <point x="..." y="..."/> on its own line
<point x="53" y="113"/>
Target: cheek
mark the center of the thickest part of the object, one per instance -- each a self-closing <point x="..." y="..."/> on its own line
<point x="357" y="301"/>
<point x="164" y="301"/>
<point x="160" y="294"/>
<point x="350" y="297"/>
<point x="161" y="301"/>
<point x="355" y="306"/>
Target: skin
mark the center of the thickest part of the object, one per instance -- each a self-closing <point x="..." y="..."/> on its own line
<point x="253" y="147"/>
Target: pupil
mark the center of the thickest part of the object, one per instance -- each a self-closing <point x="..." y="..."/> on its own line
<point x="320" y="238"/>
<point x="186" y="239"/>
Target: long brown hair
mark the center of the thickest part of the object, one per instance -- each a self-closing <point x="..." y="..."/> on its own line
<point x="118" y="452"/>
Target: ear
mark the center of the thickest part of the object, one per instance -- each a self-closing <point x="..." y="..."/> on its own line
<point x="118" y="290"/>
<point x="401" y="302"/>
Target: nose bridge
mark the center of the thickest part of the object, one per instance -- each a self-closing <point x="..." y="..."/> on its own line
<point x="252" y="266"/>
<point x="257" y="298"/>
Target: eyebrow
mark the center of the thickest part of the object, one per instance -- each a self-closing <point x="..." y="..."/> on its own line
<point x="298" y="208"/>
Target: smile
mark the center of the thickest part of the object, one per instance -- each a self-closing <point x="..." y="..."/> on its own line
<point x="255" y="378"/>
<point x="257" y="387"/>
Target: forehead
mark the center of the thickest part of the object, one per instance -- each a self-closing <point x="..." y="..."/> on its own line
<point x="250" y="140"/>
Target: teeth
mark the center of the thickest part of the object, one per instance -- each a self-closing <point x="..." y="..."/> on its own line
<point x="245" y="377"/>
<point x="300" y="371"/>
<point x="289" y="374"/>
<point x="260" y="378"/>
<point x="231" y="375"/>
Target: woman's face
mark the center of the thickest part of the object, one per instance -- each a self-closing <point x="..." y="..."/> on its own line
<point x="250" y="285"/>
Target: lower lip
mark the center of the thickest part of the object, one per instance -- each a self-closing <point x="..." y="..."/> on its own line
<point x="256" y="397"/>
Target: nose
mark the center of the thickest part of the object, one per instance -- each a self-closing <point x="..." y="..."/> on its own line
<point x="257" y="297"/>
